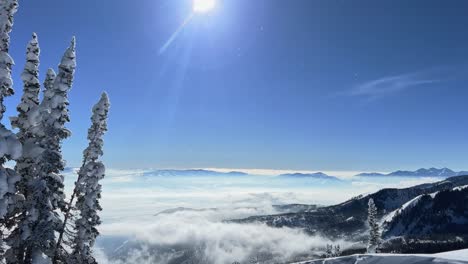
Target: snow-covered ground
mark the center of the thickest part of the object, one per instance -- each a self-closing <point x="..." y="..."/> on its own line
<point x="457" y="254"/>
<point x="452" y="257"/>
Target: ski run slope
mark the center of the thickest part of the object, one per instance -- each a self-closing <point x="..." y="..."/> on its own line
<point x="452" y="257"/>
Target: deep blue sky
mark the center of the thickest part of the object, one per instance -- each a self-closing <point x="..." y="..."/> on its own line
<point x="304" y="84"/>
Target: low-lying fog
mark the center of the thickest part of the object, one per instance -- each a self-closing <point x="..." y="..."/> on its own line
<point x="169" y="219"/>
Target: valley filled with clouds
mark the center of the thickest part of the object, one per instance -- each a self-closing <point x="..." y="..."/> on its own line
<point x="150" y="217"/>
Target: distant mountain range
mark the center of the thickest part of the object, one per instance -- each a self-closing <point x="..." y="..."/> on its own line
<point x="201" y="173"/>
<point x="318" y="176"/>
<point x="176" y="172"/>
<point x="192" y="173"/>
<point x="432" y="172"/>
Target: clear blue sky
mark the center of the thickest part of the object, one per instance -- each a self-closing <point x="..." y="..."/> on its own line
<point x="304" y="84"/>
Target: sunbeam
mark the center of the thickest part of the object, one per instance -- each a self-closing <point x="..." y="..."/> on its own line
<point x="175" y="34"/>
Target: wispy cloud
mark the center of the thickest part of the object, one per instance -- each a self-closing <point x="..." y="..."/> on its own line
<point x="378" y="88"/>
<point x="393" y="84"/>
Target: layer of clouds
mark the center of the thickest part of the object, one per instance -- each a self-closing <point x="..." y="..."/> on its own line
<point x="140" y="195"/>
<point x="208" y="239"/>
<point x="195" y="209"/>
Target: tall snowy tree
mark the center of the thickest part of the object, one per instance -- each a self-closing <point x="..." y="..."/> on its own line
<point x="374" y="233"/>
<point x="88" y="189"/>
<point x="7" y="9"/>
<point x="337" y="251"/>
<point x="30" y="98"/>
<point x="329" y="251"/>
<point x="10" y="147"/>
<point x="27" y="118"/>
<point x="47" y="187"/>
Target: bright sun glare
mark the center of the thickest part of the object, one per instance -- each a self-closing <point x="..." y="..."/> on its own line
<point x="203" y="6"/>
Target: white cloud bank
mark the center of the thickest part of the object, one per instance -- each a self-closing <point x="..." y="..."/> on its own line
<point x="211" y="240"/>
<point x="131" y="200"/>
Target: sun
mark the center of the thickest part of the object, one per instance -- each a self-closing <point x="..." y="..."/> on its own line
<point x="203" y="6"/>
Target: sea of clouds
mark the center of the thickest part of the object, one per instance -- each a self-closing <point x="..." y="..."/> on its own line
<point x="168" y="220"/>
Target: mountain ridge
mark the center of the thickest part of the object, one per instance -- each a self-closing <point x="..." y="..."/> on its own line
<point x="192" y="172"/>
<point x="431" y="172"/>
<point x="347" y="220"/>
<point x="317" y="175"/>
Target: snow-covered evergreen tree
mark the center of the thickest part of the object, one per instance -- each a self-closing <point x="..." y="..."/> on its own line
<point x="374" y="233"/>
<point x="27" y="118"/>
<point x="30" y="97"/>
<point x="329" y="251"/>
<point x="7" y="9"/>
<point x="47" y="187"/>
<point x="10" y="147"/>
<point x="88" y="189"/>
<point x="337" y="251"/>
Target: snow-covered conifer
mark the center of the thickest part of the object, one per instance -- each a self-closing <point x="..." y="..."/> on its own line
<point x="47" y="187"/>
<point x="25" y="166"/>
<point x="337" y="251"/>
<point x="54" y="106"/>
<point x="30" y="98"/>
<point x="7" y="9"/>
<point x="374" y="233"/>
<point x="329" y="251"/>
<point x="88" y="189"/>
<point x="27" y="112"/>
<point x="10" y="147"/>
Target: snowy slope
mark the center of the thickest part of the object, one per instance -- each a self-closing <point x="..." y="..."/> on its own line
<point x="454" y="257"/>
<point x="444" y="213"/>
<point x="457" y="254"/>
